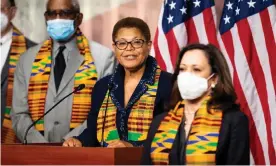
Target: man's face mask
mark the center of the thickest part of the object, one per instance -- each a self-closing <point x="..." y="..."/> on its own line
<point x="60" y="29"/>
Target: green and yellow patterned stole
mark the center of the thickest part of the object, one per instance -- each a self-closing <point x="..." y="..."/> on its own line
<point x="202" y="141"/>
<point x="139" y="119"/>
<point x="18" y="46"/>
<point x="38" y="86"/>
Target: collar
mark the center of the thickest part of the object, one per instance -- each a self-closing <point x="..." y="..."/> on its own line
<point x="70" y="45"/>
<point x="6" y="37"/>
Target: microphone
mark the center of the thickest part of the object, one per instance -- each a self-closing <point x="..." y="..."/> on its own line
<point x="104" y="118"/>
<point x="80" y="87"/>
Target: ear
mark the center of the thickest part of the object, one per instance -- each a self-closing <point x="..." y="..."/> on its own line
<point x="114" y="47"/>
<point x="149" y="45"/>
<point x="13" y="10"/>
<point x="214" y="80"/>
<point x="79" y="19"/>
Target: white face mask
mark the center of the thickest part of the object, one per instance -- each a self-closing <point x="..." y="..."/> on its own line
<point x="4" y="21"/>
<point x="191" y="86"/>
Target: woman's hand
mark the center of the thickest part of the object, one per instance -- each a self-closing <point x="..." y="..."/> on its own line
<point x="72" y="142"/>
<point x="119" y="144"/>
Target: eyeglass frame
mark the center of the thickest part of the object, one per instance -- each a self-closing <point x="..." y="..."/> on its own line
<point x="66" y="13"/>
<point x="130" y="42"/>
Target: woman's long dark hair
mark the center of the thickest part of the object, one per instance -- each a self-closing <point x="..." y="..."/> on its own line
<point x="223" y="95"/>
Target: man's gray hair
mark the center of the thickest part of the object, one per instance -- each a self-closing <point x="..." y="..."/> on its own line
<point x="75" y="4"/>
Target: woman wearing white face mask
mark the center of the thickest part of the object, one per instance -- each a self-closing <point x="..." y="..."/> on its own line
<point x="204" y="124"/>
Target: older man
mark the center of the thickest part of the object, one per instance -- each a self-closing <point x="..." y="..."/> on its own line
<point x="12" y="45"/>
<point x="48" y="72"/>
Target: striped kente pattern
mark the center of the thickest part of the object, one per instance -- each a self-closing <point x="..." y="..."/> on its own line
<point x="86" y="74"/>
<point x="18" y="46"/>
<point x="139" y="119"/>
<point x="202" y="141"/>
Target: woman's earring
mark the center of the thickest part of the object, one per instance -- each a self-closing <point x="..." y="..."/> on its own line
<point x="212" y="89"/>
<point x="213" y="86"/>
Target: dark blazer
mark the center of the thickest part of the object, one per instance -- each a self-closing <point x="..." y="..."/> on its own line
<point x="4" y="80"/>
<point x="233" y="143"/>
<point x="89" y="135"/>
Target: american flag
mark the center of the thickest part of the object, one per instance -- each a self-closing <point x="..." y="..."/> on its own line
<point x="182" y="22"/>
<point x="246" y="36"/>
<point x="248" y="40"/>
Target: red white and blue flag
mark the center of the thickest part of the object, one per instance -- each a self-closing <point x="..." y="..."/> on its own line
<point x="247" y="37"/>
<point x="248" y="40"/>
<point x="182" y="22"/>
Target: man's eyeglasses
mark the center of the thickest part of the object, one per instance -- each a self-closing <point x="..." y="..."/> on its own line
<point x="136" y="43"/>
<point x="51" y="14"/>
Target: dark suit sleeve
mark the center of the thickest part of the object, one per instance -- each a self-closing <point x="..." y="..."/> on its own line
<point x="89" y="136"/>
<point x="238" y="151"/>
<point x="146" y="159"/>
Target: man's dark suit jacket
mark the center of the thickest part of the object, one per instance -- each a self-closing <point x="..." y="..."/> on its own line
<point x="4" y="80"/>
<point x="233" y="143"/>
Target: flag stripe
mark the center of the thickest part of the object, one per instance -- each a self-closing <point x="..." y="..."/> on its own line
<point x="192" y="35"/>
<point x="210" y="26"/>
<point x="251" y="94"/>
<point x="157" y="52"/>
<point x="173" y="46"/>
<point x="255" y="143"/>
<point x="163" y="44"/>
<point x="181" y="36"/>
<point x="256" y="70"/>
<point x="163" y="47"/>
<point x="224" y="52"/>
<point x="260" y="38"/>
<point x="272" y="17"/>
<point x="270" y="41"/>
<point x="200" y="30"/>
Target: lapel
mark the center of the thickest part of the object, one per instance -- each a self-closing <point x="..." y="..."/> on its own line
<point x="148" y="78"/>
<point x="118" y="91"/>
<point x="5" y="70"/>
<point x="73" y="65"/>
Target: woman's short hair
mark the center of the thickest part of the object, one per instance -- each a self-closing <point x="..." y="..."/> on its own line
<point x="223" y="96"/>
<point x="132" y="22"/>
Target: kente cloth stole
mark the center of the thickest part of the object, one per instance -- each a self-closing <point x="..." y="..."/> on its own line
<point x="139" y="119"/>
<point x="38" y="86"/>
<point x="202" y="141"/>
<point x="18" y="46"/>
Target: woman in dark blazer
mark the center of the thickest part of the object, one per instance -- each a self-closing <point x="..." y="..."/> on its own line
<point x="125" y="102"/>
<point x="204" y="124"/>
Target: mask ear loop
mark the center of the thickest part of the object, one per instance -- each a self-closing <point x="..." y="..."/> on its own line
<point x="212" y="85"/>
<point x="211" y="76"/>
